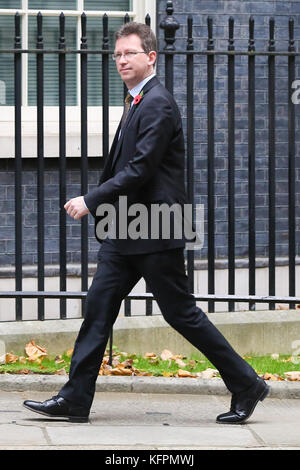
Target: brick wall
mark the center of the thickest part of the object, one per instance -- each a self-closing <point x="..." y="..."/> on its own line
<point x="29" y="212"/>
<point x="220" y="11"/>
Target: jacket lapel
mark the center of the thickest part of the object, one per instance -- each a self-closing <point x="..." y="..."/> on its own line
<point x="154" y="81"/>
<point x="119" y="143"/>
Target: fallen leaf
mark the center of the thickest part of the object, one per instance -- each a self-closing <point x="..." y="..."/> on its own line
<point x="167" y="374"/>
<point x="180" y="362"/>
<point x="34" y="351"/>
<point x="150" y="354"/>
<point x="61" y="371"/>
<point x="192" y="363"/>
<point x="293" y="375"/>
<point x="166" y="354"/>
<point x="58" y="360"/>
<point x="209" y="373"/>
<point x="121" y="371"/>
<point x="127" y="363"/>
<point x="105" y="369"/>
<point x="268" y="376"/>
<point x="11" y="358"/>
<point x="185" y="373"/>
<point x="115" y="361"/>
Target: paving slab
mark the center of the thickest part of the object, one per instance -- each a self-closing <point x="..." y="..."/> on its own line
<point x="150" y="421"/>
<point x="15" y="434"/>
<point x="151" y="435"/>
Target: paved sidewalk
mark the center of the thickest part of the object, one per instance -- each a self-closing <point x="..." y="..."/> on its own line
<point x="149" y="421"/>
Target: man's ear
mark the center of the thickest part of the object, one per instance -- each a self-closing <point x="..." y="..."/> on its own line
<point x="152" y="56"/>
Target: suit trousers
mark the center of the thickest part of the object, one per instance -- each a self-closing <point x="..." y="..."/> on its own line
<point x="165" y="274"/>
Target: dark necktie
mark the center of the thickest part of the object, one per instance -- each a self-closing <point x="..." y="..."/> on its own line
<point x="127" y="104"/>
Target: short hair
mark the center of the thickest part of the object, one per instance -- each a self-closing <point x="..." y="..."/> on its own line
<point x="143" y="31"/>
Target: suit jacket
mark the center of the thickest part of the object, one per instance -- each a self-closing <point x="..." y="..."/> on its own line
<point x="146" y="164"/>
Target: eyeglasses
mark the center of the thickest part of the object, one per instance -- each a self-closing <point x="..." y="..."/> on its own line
<point x="127" y="55"/>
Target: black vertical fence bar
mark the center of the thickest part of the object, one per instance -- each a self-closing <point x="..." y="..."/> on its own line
<point x="105" y="118"/>
<point x="84" y="155"/>
<point x="149" y="303"/>
<point x="18" y="166"/>
<point x="126" y="20"/>
<point x="231" y="165"/>
<point x="251" y="161"/>
<point x="105" y="90"/>
<point x="169" y="25"/>
<point x="272" y="174"/>
<point x="210" y="166"/>
<point x="40" y="171"/>
<point x="127" y="302"/>
<point x="190" y="141"/>
<point x="62" y="166"/>
<point x="291" y="170"/>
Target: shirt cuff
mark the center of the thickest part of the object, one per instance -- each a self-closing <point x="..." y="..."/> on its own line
<point x="85" y="204"/>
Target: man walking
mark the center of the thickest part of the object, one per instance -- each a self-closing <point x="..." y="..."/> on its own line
<point x="145" y="164"/>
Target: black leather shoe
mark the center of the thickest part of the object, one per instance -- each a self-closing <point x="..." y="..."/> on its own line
<point x="58" y="407"/>
<point x="243" y="403"/>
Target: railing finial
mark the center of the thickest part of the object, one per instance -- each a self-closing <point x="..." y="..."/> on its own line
<point x="169" y="24"/>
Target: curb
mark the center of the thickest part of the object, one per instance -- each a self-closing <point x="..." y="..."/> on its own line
<point x="137" y="384"/>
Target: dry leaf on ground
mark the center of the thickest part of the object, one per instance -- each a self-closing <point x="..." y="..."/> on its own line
<point x="11" y="358"/>
<point x="34" y="351"/>
<point x="185" y="373"/>
<point x="180" y="362"/>
<point x="209" y="373"/>
<point x="275" y="377"/>
<point x="121" y="371"/>
<point x="166" y="354"/>
<point x="150" y="355"/>
<point x="167" y="374"/>
<point x="293" y="375"/>
<point x="61" y="371"/>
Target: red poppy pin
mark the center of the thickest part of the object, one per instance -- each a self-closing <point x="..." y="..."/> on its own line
<point x="138" y="98"/>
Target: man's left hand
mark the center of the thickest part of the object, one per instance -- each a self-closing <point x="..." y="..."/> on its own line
<point x="76" y="207"/>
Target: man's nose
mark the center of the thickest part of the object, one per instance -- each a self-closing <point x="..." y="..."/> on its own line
<point x="123" y="59"/>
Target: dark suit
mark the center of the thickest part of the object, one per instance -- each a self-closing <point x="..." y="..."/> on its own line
<point x="146" y="164"/>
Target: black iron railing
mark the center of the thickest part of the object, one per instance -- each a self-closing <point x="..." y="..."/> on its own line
<point x="170" y="26"/>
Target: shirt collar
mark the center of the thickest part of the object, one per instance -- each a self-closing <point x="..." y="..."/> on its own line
<point x="136" y="90"/>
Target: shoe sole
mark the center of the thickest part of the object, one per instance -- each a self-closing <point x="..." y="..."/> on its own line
<point x="72" y="419"/>
<point x="260" y="398"/>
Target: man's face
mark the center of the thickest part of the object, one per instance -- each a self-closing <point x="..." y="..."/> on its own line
<point x="134" y="69"/>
